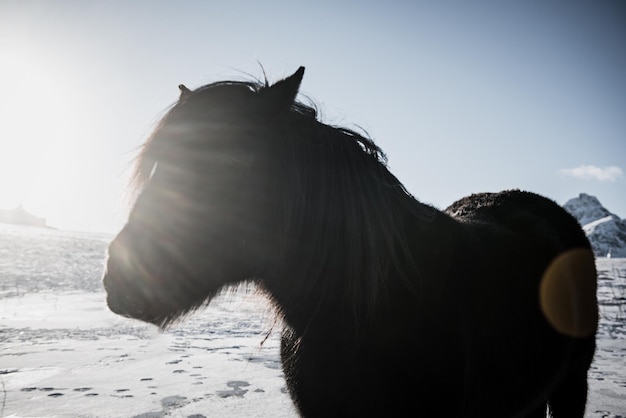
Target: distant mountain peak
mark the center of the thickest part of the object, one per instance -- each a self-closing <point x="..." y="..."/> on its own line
<point x="587" y="208"/>
<point x="20" y="216"/>
<point x="588" y="198"/>
<point x="605" y="230"/>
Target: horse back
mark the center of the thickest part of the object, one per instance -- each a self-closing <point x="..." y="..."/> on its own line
<point x="532" y="291"/>
<point x="529" y="244"/>
<point x="523" y="213"/>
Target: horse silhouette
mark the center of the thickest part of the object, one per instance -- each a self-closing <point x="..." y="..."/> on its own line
<point x="390" y="306"/>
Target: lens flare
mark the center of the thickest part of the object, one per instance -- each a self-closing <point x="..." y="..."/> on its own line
<point x="568" y="293"/>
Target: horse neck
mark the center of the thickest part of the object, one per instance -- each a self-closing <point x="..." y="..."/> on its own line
<point x="339" y="274"/>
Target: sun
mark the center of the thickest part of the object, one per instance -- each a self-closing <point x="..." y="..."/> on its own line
<point x="35" y="133"/>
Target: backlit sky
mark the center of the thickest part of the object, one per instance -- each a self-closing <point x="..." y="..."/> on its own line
<point x="463" y="96"/>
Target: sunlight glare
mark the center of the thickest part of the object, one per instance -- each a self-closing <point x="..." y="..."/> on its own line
<point x="36" y="141"/>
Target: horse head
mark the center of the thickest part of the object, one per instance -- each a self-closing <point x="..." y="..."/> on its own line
<point x="203" y="213"/>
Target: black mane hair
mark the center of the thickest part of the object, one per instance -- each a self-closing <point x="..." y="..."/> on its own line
<point x="334" y="174"/>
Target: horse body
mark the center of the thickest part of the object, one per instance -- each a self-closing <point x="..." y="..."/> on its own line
<point x="388" y="304"/>
<point x="468" y="345"/>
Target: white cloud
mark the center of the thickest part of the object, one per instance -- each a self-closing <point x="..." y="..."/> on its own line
<point x="591" y="172"/>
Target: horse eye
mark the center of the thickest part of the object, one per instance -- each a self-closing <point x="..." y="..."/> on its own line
<point x="154" y="168"/>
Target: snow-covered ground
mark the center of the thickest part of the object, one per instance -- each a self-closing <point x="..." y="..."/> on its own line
<point x="607" y="377"/>
<point x="67" y="355"/>
<point x="64" y="354"/>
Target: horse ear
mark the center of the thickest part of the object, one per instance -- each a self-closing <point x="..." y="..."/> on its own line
<point x="184" y="91"/>
<point x="283" y="93"/>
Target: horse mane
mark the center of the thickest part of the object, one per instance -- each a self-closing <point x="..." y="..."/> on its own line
<point x="344" y="213"/>
<point x="344" y="210"/>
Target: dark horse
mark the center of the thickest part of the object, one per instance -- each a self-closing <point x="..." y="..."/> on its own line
<point x="487" y="309"/>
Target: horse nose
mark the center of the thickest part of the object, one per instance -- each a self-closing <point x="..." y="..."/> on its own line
<point x="115" y="246"/>
<point x="112" y="268"/>
<point x="113" y="278"/>
<point x="117" y="251"/>
<point x="107" y="275"/>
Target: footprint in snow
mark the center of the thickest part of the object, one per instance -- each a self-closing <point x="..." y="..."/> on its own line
<point x="236" y="389"/>
<point x="149" y="415"/>
<point x="174" y="401"/>
<point x="122" y="391"/>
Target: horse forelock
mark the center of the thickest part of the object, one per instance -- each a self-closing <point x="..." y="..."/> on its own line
<point x="170" y="129"/>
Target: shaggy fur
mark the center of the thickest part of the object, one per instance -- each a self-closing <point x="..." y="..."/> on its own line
<point x="389" y="305"/>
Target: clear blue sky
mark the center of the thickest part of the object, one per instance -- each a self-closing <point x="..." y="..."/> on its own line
<point x="463" y="96"/>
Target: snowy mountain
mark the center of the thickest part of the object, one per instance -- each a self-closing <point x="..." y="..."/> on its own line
<point x="19" y="216"/>
<point x="605" y="230"/>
